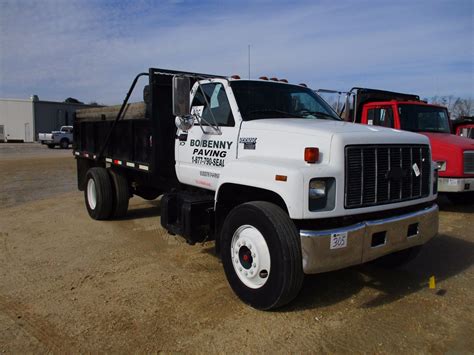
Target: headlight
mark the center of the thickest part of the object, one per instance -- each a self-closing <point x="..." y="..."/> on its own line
<point x="317" y="189"/>
<point x="441" y="165"/>
<point x="322" y="194"/>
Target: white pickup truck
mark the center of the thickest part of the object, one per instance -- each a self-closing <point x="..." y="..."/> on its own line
<point x="266" y="169"/>
<point x="63" y="137"/>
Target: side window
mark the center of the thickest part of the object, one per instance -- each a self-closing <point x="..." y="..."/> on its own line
<point x="380" y="117"/>
<point x="218" y="104"/>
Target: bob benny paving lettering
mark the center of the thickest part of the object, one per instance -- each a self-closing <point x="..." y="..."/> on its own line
<point x="216" y="149"/>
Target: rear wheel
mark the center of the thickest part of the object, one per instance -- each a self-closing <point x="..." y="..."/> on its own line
<point x="261" y="253"/>
<point x="98" y="193"/>
<point x="398" y="258"/>
<point x="64" y="143"/>
<point x="121" y="194"/>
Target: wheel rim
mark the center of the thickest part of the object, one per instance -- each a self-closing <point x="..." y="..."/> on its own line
<point x="250" y="256"/>
<point x="91" y="194"/>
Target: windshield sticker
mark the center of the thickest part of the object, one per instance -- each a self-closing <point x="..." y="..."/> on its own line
<point x="209" y="152"/>
<point x="197" y="110"/>
<point x="249" y="143"/>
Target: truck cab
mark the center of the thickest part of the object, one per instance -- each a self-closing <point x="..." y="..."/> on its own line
<point x="464" y="127"/>
<point x="454" y="154"/>
<point x="266" y="169"/>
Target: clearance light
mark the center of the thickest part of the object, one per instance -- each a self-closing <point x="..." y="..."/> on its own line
<point x="235" y="77"/>
<point x="311" y="155"/>
<point x="274" y="79"/>
<point x="263" y="78"/>
<point x="303" y="84"/>
<point x="284" y="81"/>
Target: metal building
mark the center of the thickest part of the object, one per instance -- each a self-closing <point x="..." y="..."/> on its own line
<point x="22" y="120"/>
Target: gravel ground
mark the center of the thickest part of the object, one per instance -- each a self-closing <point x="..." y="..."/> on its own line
<point x="69" y="283"/>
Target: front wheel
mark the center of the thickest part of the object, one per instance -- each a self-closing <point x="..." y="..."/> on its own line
<point x="461" y="198"/>
<point x="261" y="254"/>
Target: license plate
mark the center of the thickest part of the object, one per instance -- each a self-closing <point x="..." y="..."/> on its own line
<point x="338" y="240"/>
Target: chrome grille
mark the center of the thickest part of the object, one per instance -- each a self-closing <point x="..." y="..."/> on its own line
<point x="381" y="174"/>
<point x="469" y="162"/>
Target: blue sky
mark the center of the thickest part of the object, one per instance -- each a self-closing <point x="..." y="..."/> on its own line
<point x="91" y="50"/>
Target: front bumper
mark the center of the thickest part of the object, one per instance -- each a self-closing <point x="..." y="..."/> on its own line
<point x="455" y="184"/>
<point x="399" y="232"/>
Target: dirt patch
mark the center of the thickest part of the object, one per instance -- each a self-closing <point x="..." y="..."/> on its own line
<point x="70" y="283"/>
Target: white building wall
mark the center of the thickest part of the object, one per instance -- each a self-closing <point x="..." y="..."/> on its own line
<point x="17" y="118"/>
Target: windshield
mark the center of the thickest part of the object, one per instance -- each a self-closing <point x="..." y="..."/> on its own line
<point x="421" y="118"/>
<point x="266" y="99"/>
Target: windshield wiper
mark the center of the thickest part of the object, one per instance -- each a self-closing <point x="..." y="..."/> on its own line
<point x="275" y="111"/>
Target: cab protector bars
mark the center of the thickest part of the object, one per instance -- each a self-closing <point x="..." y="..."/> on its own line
<point x="154" y="71"/>
<point x="119" y="115"/>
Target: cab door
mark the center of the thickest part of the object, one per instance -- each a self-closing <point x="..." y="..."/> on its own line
<point x="201" y="152"/>
<point x="381" y="116"/>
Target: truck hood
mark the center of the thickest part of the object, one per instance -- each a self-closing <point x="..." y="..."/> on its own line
<point x="287" y="137"/>
<point x="450" y="148"/>
<point x="444" y="140"/>
<point x="308" y="126"/>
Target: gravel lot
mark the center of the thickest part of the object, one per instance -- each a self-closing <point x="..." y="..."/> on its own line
<point x="68" y="282"/>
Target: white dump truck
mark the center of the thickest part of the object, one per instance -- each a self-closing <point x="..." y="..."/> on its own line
<point x="63" y="137"/>
<point x="266" y="169"/>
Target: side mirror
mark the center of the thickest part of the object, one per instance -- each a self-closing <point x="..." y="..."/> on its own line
<point x="347" y="108"/>
<point x="181" y="88"/>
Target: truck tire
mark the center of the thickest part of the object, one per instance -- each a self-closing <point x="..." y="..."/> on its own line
<point x="98" y="193"/>
<point x="261" y="254"/>
<point x="398" y="258"/>
<point x="461" y="198"/>
<point x="121" y="194"/>
<point x="51" y="146"/>
<point x="64" y="143"/>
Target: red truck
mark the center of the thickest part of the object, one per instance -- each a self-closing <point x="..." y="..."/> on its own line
<point x="464" y="127"/>
<point x="454" y="154"/>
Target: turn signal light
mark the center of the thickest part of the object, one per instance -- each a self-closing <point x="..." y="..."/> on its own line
<point x="311" y="155"/>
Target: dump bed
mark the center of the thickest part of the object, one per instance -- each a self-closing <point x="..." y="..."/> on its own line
<point x="130" y="142"/>
<point x="138" y="137"/>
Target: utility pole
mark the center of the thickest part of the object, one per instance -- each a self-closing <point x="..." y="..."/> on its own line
<point x="249" y="59"/>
